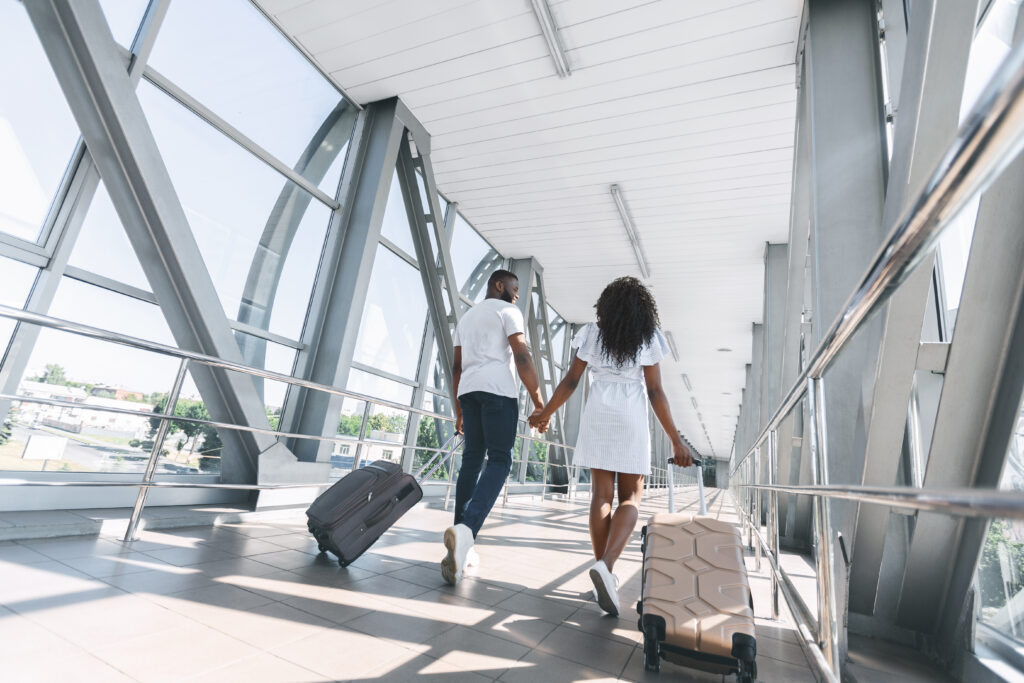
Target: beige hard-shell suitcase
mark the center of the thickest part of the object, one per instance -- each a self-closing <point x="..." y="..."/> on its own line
<point x="695" y="606"/>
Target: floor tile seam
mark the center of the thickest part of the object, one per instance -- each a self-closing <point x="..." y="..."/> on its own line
<point x="625" y="666"/>
<point x="594" y="668"/>
<point x="573" y="663"/>
<point x="480" y="629"/>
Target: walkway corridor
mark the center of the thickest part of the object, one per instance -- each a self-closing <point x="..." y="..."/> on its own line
<point x="255" y="602"/>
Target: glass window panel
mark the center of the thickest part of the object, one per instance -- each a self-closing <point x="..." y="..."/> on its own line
<point x="261" y="84"/>
<point x="95" y="374"/>
<point x="379" y="387"/>
<point x="16" y="280"/>
<point x="391" y="329"/>
<point x="103" y="247"/>
<point x="473" y="260"/>
<point x="396" y="221"/>
<point x="37" y="131"/>
<point x="434" y="433"/>
<point x="230" y="200"/>
<point x="124" y="17"/>
<point x="1000" y="575"/>
<point x="82" y="438"/>
<point x="990" y="47"/>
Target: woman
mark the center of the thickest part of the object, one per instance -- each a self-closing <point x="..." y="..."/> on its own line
<point x="623" y="349"/>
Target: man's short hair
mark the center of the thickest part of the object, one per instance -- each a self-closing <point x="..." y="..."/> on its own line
<point x="500" y="276"/>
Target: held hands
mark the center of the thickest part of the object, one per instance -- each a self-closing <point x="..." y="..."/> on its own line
<point x="681" y="455"/>
<point x="539" y="421"/>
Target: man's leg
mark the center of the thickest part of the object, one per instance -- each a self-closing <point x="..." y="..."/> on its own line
<point x="473" y="449"/>
<point x="499" y="415"/>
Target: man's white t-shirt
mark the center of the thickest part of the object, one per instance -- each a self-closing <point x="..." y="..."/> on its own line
<point x="487" y="363"/>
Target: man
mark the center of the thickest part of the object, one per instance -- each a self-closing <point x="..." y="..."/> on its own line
<point x="490" y="350"/>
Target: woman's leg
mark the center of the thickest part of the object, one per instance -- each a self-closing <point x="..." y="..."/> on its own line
<point x="602" y="495"/>
<point x="623" y="522"/>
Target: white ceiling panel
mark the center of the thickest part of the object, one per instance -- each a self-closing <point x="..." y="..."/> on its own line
<point x="689" y="107"/>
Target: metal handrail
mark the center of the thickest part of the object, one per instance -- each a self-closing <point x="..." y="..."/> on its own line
<point x="988" y="141"/>
<point x="212" y="361"/>
<point x="958" y="502"/>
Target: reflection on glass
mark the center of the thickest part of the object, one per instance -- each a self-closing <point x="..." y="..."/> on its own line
<point x="990" y="47"/>
<point x="124" y="17"/>
<point x="391" y="329"/>
<point x="37" y="131"/>
<point x="103" y="247"/>
<point x="434" y="433"/>
<point x="1000" y="576"/>
<point x="261" y="85"/>
<point x="16" y="281"/>
<point x="260" y="235"/>
<point x="90" y="374"/>
<point x="473" y="260"/>
<point x="396" y="221"/>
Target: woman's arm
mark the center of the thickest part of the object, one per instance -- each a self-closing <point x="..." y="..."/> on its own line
<point x="680" y="453"/>
<point x="562" y="393"/>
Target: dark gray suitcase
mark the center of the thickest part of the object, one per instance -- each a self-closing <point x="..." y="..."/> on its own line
<point x="349" y="517"/>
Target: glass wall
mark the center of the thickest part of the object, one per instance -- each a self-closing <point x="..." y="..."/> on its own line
<point x="260" y="233"/>
<point x="227" y="135"/>
<point x="37" y="131"/>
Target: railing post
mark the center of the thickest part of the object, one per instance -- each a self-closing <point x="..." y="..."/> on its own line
<point x="154" y="456"/>
<point x="757" y="508"/>
<point x="773" y="515"/>
<point x="824" y="556"/>
<point x="362" y="437"/>
<point x="544" y="483"/>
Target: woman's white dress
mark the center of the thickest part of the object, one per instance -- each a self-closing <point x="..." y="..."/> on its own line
<point x="615" y="430"/>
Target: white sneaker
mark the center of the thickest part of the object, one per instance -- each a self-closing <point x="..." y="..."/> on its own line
<point x="472" y="559"/>
<point x="606" y="586"/>
<point x="458" y="540"/>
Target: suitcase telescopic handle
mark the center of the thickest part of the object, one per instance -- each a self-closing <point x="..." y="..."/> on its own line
<point x="699" y="464"/>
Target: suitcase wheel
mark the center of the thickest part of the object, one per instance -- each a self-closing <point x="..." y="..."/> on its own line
<point x="322" y="547"/>
<point x="652" y="650"/>
<point x="747" y="672"/>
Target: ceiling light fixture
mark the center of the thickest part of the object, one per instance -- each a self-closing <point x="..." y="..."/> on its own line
<point x="627" y="222"/>
<point x="694" y="402"/>
<point x="547" y="27"/>
<point x="686" y="381"/>
<point x="725" y="350"/>
<point x="672" y="346"/>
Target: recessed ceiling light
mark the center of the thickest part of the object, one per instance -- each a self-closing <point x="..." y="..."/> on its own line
<point x="725" y="350"/>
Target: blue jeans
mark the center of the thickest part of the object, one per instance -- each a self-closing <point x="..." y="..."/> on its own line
<point x="489" y="427"/>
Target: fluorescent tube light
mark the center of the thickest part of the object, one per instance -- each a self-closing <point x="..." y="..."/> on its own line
<point x="672" y="346"/>
<point x="547" y="27"/>
<point x="627" y="222"/>
<point x="686" y="381"/>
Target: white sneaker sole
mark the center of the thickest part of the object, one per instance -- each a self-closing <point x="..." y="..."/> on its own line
<point x="604" y="598"/>
<point x="450" y="569"/>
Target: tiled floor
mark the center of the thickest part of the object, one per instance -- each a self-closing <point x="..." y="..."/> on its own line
<point x="256" y="602"/>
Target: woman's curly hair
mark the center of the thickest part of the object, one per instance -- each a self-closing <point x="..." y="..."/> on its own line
<point x="627" y="317"/>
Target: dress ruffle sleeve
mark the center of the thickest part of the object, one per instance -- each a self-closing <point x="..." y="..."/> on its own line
<point x="587" y="344"/>
<point x="655" y="350"/>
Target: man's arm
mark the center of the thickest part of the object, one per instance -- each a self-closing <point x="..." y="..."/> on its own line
<point x="456" y="376"/>
<point x="524" y="366"/>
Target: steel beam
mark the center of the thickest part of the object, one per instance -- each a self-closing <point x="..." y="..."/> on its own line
<point x="92" y="72"/>
<point x="938" y="46"/>
<point x="289" y="210"/>
<point x="339" y="294"/>
<point x="849" y="170"/>
<point x="978" y="408"/>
